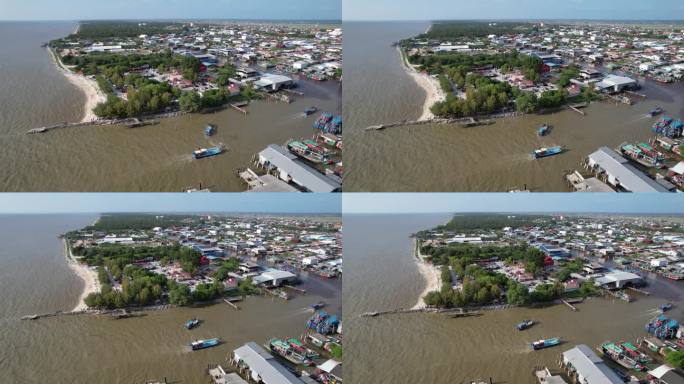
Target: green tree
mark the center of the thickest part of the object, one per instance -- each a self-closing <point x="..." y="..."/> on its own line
<point x="675" y="359"/>
<point x="190" y="102"/>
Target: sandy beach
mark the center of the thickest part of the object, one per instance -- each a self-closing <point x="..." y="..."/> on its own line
<point x="88" y="86"/>
<point x="87" y="274"/>
<point x="429" y="84"/>
<point x="430" y="273"/>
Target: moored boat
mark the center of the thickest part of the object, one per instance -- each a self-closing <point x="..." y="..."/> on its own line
<point x="545" y="152"/>
<point x="524" y="324"/>
<point x="545" y="343"/>
<point x="618" y="355"/>
<point x="192" y="323"/>
<point x="286" y="351"/>
<point x="206" y="343"/>
<point x="201" y="153"/>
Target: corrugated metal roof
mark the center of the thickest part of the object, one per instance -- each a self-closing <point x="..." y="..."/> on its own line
<point x="629" y="177"/>
<point x="590" y="366"/>
<point x="301" y="173"/>
<point x="261" y="362"/>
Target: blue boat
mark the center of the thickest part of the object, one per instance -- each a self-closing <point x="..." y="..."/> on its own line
<point x="317" y="306"/>
<point x="543" y="130"/>
<point x="524" y="324"/>
<point x="655" y="111"/>
<point x="310" y="111"/>
<point x="192" y="323"/>
<point x="666" y="307"/>
<point x="202" y="344"/>
<point x="546" y="152"/>
<point x="201" y="153"/>
<point x="545" y="343"/>
<point x="209" y="130"/>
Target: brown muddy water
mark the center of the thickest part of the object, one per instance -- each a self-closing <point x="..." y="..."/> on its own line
<point x="115" y="158"/>
<point x="432" y="348"/>
<point x="34" y="278"/>
<point x="443" y="158"/>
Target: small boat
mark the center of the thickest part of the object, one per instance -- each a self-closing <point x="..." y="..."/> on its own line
<point x="543" y="130"/>
<point x="192" y="323"/>
<point x="545" y="152"/>
<point x="209" y="130"/>
<point x="545" y="343"/>
<point x="201" y="153"/>
<point x="666" y="307"/>
<point x="317" y="306"/>
<point x="524" y="324"/>
<point x="310" y="111"/>
<point x="207" y="343"/>
<point x="655" y="111"/>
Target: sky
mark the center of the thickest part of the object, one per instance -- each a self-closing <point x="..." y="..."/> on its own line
<point x="355" y="203"/>
<point x="170" y="9"/>
<point x="44" y="203"/>
<point x="512" y="9"/>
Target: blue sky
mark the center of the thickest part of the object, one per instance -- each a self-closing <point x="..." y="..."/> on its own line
<point x="170" y="9"/>
<point x="11" y="203"/>
<point x="512" y="202"/>
<point x="512" y="9"/>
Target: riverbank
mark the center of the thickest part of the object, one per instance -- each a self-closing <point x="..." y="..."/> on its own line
<point x="87" y="274"/>
<point x="429" y="84"/>
<point x="88" y="86"/>
<point x="430" y="273"/>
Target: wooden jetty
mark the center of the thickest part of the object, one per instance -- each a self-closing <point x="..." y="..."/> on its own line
<point x="569" y="305"/>
<point x="463" y="122"/>
<point x="643" y="96"/>
<point x="230" y="301"/>
<point x="294" y="92"/>
<point x="239" y="107"/>
<point x="300" y="290"/>
<point x="576" y="108"/>
<point x="643" y="292"/>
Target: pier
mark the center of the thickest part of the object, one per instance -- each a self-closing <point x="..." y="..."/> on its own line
<point x="577" y="109"/>
<point x="569" y="305"/>
<point x="643" y="292"/>
<point x="230" y="301"/>
<point x="462" y="122"/>
<point x="238" y="107"/>
<point x="129" y="122"/>
<point x="300" y="290"/>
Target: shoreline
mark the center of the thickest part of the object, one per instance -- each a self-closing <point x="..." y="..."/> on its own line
<point x="85" y="273"/>
<point x="89" y="87"/>
<point x="429" y="84"/>
<point x="430" y="273"/>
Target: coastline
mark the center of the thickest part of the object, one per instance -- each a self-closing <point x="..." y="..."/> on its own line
<point x="87" y="274"/>
<point x="430" y="273"/>
<point x="89" y="87"/>
<point x="429" y="84"/>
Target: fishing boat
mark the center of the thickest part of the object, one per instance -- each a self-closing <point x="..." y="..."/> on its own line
<point x="618" y="355"/>
<point x="310" y="111"/>
<point x="655" y="111"/>
<point x="543" y="130"/>
<point x="201" y="153"/>
<point x="192" y="323"/>
<point x="666" y="307"/>
<point x="545" y="343"/>
<point x="285" y="350"/>
<point x="209" y="130"/>
<point x="546" y="152"/>
<point x="633" y="352"/>
<point x="302" y="349"/>
<point x="206" y="343"/>
<point x="524" y="324"/>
